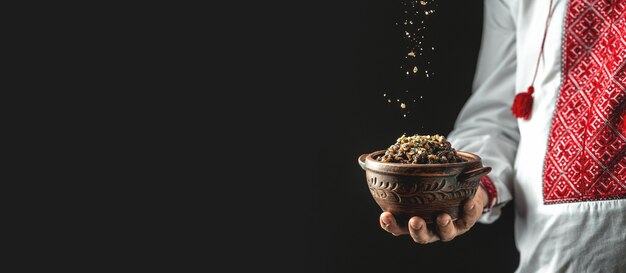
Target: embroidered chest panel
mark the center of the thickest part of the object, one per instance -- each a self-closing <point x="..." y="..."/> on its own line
<point x="586" y="158"/>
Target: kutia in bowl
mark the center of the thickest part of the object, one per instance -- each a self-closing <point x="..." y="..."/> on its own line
<point x="422" y="176"/>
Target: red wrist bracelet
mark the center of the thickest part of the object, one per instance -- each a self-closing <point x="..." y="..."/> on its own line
<point x="492" y="194"/>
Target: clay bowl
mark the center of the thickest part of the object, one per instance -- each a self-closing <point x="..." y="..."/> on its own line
<point x="424" y="190"/>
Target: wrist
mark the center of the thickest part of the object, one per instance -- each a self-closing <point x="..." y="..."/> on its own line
<point x="482" y="196"/>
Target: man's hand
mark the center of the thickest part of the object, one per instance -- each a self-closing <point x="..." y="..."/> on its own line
<point x="446" y="229"/>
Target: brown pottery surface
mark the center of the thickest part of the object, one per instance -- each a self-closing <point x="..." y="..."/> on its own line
<point x="424" y="190"/>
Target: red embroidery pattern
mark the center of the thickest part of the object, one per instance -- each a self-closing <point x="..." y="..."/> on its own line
<point x="586" y="151"/>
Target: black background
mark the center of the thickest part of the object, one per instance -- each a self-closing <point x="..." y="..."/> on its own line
<point x="316" y="73"/>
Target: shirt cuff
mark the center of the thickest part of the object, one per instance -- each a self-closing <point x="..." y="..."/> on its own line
<point x="492" y="194"/>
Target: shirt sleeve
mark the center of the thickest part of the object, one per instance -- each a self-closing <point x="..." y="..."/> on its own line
<point x="485" y="125"/>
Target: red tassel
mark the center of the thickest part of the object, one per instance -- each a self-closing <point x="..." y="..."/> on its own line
<point x="523" y="104"/>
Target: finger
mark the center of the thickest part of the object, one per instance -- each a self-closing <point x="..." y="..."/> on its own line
<point x="445" y="228"/>
<point x="388" y="223"/>
<point x="471" y="213"/>
<point x="420" y="232"/>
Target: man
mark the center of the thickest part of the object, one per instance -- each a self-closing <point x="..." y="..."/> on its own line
<point x="560" y="156"/>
